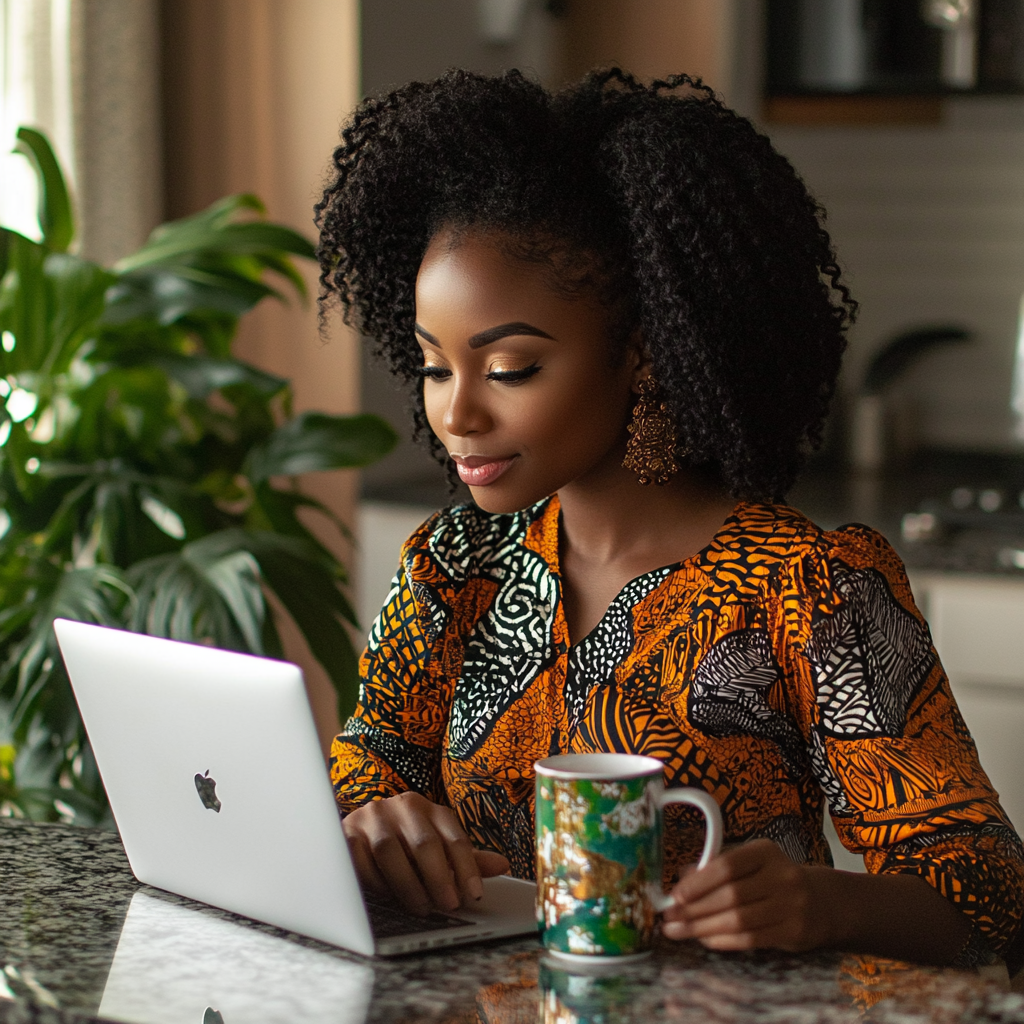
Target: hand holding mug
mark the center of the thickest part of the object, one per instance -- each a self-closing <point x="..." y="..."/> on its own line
<point x="751" y="896"/>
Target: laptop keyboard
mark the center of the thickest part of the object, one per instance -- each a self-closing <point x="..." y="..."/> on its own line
<point x="388" y="919"/>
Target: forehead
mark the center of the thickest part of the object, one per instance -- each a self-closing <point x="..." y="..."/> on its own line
<point x="491" y="271"/>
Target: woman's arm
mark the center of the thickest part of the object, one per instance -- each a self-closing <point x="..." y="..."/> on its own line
<point x="385" y="764"/>
<point x="755" y="896"/>
<point x="890" y="751"/>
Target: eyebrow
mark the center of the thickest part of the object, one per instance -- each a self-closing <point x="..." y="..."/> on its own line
<point x="492" y="334"/>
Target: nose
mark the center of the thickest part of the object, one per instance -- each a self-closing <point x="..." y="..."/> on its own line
<point x="466" y="412"/>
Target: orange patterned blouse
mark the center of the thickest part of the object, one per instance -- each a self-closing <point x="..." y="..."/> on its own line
<point x="780" y="667"/>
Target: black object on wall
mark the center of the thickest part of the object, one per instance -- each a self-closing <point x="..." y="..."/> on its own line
<point x="895" y="47"/>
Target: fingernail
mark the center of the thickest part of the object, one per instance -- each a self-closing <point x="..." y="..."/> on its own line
<point x="476" y="888"/>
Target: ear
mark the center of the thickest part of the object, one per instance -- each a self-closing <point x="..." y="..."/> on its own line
<point x="638" y="359"/>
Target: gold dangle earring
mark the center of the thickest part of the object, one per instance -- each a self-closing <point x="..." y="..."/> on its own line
<point x="651" y="449"/>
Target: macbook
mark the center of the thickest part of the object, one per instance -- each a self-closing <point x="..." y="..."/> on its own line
<point x="216" y="781"/>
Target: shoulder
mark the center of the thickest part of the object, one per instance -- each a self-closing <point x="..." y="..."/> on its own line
<point x="859" y="547"/>
<point x="763" y="545"/>
<point x="465" y="541"/>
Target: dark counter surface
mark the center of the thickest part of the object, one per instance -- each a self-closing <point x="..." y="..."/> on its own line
<point x="64" y="903"/>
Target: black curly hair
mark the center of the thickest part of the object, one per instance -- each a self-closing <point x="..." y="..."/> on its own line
<point x="684" y="218"/>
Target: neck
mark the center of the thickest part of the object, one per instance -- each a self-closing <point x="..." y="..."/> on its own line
<point x="608" y="517"/>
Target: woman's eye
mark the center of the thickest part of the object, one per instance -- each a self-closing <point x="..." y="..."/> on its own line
<point x="434" y="372"/>
<point x="513" y="376"/>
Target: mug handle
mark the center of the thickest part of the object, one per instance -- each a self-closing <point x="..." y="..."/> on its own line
<point x="708" y="806"/>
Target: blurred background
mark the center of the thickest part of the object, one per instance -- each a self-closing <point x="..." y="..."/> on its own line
<point x="905" y="118"/>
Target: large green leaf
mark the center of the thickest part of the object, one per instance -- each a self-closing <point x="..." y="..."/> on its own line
<point x="95" y="594"/>
<point x="309" y="589"/>
<point x="49" y="302"/>
<point x="24" y="302"/>
<point x="315" y="441"/>
<point x="168" y="296"/>
<point x="200" y="376"/>
<point x="55" y="219"/>
<point x="187" y="237"/>
<point x="208" y="591"/>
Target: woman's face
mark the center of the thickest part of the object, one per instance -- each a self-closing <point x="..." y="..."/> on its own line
<point x="522" y="385"/>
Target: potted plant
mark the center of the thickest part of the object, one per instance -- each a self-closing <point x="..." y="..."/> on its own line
<point x="146" y="474"/>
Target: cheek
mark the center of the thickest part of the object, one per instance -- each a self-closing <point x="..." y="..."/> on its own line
<point x="597" y="404"/>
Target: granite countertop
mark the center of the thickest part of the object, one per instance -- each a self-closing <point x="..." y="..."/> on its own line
<point x="79" y="935"/>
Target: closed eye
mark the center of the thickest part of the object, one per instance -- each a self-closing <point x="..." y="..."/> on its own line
<point x="433" y="372"/>
<point x="513" y="376"/>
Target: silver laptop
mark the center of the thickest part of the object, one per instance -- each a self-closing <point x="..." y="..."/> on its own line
<point x="213" y="769"/>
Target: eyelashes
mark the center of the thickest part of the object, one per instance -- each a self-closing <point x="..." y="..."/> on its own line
<point x="514" y="376"/>
<point x="440" y="373"/>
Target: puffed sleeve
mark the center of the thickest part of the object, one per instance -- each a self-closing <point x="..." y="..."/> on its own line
<point x="392" y="742"/>
<point x="888" y="745"/>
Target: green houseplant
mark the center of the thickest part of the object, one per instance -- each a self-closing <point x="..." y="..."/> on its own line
<point x="144" y="471"/>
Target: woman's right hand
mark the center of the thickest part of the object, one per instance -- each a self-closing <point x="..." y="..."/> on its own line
<point x="407" y="847"/>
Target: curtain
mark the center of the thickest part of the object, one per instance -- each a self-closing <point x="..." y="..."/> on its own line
<point x="86" y="72"/>
<point x="35" y="89"/>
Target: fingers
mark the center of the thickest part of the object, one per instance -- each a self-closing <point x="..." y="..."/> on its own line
<point x="457" y="853"/>
<point x="730" y="866"/>
<point x="750" y="896"/>
<point x="416" y="850"/>
<point x="362" y="859"/>
<point x="750" y="917"/>
<point x="394" y="862"/>
<point x="426" y="849"/>
<point x="490" y="864"/>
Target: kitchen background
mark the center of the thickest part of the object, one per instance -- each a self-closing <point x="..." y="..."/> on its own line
<point x="161" y="106"/>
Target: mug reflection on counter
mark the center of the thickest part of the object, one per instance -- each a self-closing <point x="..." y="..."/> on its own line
<point x="567" y="997"/>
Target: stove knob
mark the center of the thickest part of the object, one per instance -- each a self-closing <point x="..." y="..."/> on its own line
<point x="990" y="500"/>
<point x="918" y="526"/>
<point x="962" y="498"/>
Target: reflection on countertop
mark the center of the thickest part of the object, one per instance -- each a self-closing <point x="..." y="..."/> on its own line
<point x="79" y="937"/>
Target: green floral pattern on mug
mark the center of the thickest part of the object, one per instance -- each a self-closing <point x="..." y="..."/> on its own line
<point x="598" y="849"/>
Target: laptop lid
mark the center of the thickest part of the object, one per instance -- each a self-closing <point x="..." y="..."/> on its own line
<point x="213" y="769"/>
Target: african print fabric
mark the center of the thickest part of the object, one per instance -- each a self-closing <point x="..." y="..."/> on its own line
<point x="781" y="669"/>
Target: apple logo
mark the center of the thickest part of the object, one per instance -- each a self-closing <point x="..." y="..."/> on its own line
<point x="207" y="790"/>
<point x="211" y="1016"/>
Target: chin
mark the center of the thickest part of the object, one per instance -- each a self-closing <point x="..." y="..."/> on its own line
<point x="502" y="501"/>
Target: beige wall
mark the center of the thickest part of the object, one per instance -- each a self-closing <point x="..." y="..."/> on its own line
<point x="254" y="93"/>
<point x="652" y="38"/>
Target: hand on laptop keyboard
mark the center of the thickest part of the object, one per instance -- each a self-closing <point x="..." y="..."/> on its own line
<point x="416" y="851"/>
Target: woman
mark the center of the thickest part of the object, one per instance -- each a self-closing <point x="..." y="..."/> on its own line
<point x="623" y="321"/>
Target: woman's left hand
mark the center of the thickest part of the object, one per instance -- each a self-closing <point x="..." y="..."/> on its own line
<point x="751" y="896"/>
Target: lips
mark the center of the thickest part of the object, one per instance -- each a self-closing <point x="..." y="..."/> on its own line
<point x="481" y="470"/>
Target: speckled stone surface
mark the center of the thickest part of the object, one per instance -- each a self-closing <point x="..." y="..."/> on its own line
<point x="65" y="895"/>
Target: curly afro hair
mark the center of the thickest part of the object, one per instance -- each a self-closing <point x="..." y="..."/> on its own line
<point x="694" y="229"/>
